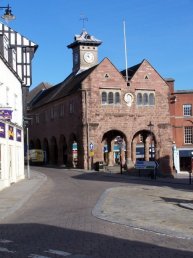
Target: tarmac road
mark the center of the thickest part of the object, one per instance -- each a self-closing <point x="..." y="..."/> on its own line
<point x="71" y="213"/>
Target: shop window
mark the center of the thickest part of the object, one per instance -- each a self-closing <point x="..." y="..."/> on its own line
<point x="0" y="161"/>
<point x="188" y="135"/>
<point x="187" y="109"/>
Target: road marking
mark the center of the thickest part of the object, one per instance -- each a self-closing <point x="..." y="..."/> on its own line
<point x="5" y="250"/>
<point x="4" y="241"/>
<point x="37" y="256"/>
<point x="62" y="253"/>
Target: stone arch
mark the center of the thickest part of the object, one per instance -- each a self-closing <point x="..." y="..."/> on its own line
<point x="46" y="150"/>
<point x="31" y="145"/>
<point x="38" y="144"/>
<point x="63" y="152"/>
<point x="53" y="151"/>
<point x="111" y="150"/>
<point x="143" y="146"/>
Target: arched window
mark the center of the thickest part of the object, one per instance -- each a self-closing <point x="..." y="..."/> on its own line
<point x="110" y="98"/>
<point x="151" y="99"/>
<point x="117" y="98"/>
<point x="139" y="99"/>
<point x="145" y="99"/>
<point x="104" y="98"/>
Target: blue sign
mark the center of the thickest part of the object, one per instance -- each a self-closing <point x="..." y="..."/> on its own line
<point x="2" y="130"/>
<point x="18" y="135"/>
<point x="91" y="146"/>
<point x="6" y="114"/>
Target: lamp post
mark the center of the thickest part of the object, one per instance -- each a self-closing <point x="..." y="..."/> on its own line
<point x="150" y="125"/>
<point x="8" y="16"/>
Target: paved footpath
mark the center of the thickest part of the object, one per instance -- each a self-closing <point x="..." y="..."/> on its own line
<point x="163" y="206"/>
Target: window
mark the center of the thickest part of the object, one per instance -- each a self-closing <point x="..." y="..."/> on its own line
<point x="188" y="131"/>
<point x="71" y="108"/>
<point x="145" y="98"/>
<point x="110" y="98"/>
<point x="117" y="98"/>
<point x="139" y="99"/>
<point x="61" y="110"/>
<point x="37" y="119"/>
<point x="187" y="108"/>
<point x="104" y="98"/>
<point x="151" y="99"/>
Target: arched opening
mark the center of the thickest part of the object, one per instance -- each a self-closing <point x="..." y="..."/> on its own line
<point x="31" y="145"/>
<point x="63" y="153"/>
<point x="46" y="151"/>
<point x="53" y="151"/>
<point x="38" y="144"/>
<point x="114" y="151"/>
<point x="73" y="151"/>
<point x="143" y="146"/>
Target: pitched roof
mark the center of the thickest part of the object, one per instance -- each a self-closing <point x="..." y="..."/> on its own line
<point x="71" y="84"/>
<point x="37" y="91"/>
<point x="131" y="70"/>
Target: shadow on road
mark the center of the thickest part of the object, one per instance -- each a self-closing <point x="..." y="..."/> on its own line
<point x="37" y="239"/>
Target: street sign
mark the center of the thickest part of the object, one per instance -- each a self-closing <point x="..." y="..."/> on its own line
<point x="91" y="153"/>
<point x="91" y="146"/>
<point x="141" y="164"/>
<point x="119" y="140"/>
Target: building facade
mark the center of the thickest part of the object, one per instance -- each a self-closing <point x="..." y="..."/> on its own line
<point x="11" y="126"/>
<point x="15" y="77"/>
<point x="181" y="103"/>
<point x="78" y="122"/>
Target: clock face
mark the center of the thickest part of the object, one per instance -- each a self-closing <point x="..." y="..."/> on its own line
<point x="89" y="57"/>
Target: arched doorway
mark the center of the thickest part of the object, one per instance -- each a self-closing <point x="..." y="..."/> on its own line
<point x="113" y="151"/>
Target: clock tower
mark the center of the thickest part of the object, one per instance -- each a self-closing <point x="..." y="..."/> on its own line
<point x="84" y="51"/>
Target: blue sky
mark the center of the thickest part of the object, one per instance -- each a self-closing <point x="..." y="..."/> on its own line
<point x="160" y="31"/>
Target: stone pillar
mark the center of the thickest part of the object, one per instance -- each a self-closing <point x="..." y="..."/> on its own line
<point x="146" y="149"/>
<point x="111" y="154"/>
<point x="129" y="161"/>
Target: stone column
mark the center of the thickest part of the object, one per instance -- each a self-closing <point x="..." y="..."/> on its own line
<point x="146" y="148"/>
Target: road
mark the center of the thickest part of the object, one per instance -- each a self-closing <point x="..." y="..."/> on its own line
<point x="57" y="221"/>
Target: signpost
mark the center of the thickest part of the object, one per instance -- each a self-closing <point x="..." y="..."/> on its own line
<point x="120" y="143"/>
<point x="141" y="164"/>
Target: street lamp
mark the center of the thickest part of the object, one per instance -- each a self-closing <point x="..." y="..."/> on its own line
<point x="150" y="125"/>
<point x="8" y="16"/>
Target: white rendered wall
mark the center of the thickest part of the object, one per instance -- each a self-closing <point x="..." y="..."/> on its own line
<point x="12" y="151"/>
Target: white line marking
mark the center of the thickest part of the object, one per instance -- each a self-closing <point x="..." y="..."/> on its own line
<point x="4" y="241"/>
<point x="2" y="249"/>
<point x="62" y="253"/>
<point x="37" y="256"/>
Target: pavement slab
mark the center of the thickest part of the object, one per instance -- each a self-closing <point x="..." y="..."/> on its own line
<point x="154" y="208"/>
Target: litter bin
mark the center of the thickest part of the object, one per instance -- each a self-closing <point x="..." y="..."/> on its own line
<point x="99" y="165"/>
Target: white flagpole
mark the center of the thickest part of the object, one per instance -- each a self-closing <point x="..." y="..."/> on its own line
<point x="125" y="43"/>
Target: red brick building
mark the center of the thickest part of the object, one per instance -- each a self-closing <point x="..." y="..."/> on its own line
<point x="181" y="103"/>
<point x="78" y="120"/>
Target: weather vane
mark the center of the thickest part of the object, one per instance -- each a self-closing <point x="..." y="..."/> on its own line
<point x="83" y="18"/>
